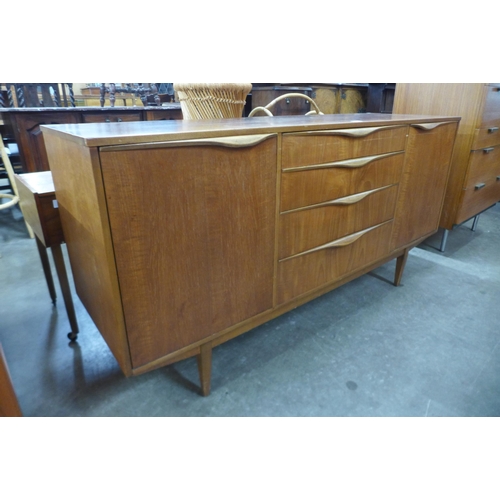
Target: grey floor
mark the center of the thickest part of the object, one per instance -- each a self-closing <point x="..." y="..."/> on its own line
<point x="427" y="348"/>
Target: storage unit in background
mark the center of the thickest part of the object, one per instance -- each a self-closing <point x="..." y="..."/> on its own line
<point x="474" y="182"/>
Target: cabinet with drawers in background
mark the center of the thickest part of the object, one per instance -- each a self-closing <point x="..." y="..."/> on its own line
<point x="183" y="235"/>
<point x="474" y="182"/>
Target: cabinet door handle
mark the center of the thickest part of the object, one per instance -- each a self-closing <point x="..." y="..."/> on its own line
<point x="498" y="177"/>
<point x="477" y="187"/>
<point x="488" y="150"/>
<point x="492" y="130"/>
<point x="428" y="126"/>
<point x="107" y="120"/>
<point x="240" y="141"/>
<point x="119" y="120"/>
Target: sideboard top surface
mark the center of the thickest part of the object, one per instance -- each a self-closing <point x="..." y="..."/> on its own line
<point x="110" y="134"/>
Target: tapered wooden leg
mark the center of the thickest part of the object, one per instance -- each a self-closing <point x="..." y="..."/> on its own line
<point x="46" y="269"/>
<point x="400" y="267"/>
<point x="205" y="367"/>
<point x="66" y="291"/>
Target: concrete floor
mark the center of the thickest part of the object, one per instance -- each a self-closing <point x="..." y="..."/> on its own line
<point x="427" y="348"/>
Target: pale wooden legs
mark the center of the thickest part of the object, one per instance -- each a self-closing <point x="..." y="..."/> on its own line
<point x="66" y="291"/>
<point x="42" y="251"/>
<point x="205" y="367"/>
<point x="63" y="281"/>
<point x="400" y="266"/>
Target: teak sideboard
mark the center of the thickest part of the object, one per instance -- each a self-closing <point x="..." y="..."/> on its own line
<point x="474" y="184"/>
<point x="184" y="234"/>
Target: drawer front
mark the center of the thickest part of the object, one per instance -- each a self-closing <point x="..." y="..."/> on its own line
<point x="491" y="112"/>
<point x="300" y="188"/>
<point x="304" y="273"/>
<point x="484" y="167"/>
<point x="486" y="137"/>
<point x="170" y="114"/>
<point x="308" y="228"/>
<point x="320" y="147"/>
<point x="476" y="200"/>
<point x="112" y="117"/>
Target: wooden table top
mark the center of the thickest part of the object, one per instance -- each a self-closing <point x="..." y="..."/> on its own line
<point x="111" y="134"/>
<point x="40" y="183"/>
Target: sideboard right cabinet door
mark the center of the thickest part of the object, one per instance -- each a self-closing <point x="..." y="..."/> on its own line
<point x="425" y="174"/>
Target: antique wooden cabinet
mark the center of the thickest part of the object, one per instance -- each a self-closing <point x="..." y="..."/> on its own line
<point x="182" y="235"/>
<point x="474" y="183"/>
<point x="25" y="125"/>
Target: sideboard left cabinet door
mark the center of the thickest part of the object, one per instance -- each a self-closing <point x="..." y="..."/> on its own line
<point x="193" y="230"/>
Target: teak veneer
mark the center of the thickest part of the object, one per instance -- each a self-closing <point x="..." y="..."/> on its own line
<point x="183" y="235"/>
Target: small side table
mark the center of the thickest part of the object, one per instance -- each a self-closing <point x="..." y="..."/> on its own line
<point x="39" y="206"/>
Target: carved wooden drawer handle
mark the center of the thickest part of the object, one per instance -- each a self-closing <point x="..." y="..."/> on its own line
<point x="243" y="141"/>
<point x="428" y="126"/>
<point x="346" y="200"/>
<point x="354" y="163"/>
<point x="349" y="132"/>
<point x="341" y="242"/>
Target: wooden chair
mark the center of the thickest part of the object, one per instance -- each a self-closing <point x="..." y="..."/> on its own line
<point x="37" y="95"/>
<point x="205" y="101"/>
<point x="267" y="109"/>
<point x="13" y="198"/>
<point x="147" y="92"/>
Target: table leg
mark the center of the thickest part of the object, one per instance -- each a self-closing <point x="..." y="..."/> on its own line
<point x="444" y="239"/>
<point x="400" y="267"/>
<point x="205" y="367"/>
<point x="66" y="291"/>
<point x="46" y="269"/>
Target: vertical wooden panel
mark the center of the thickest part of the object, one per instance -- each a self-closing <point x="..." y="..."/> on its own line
<point x="82" y="208"/>
<point x="9" y="406"/>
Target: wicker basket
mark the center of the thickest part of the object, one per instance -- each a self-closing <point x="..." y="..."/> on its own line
<point x="205" y="101"/>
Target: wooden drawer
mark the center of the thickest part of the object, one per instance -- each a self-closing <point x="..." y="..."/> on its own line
<point x="491" y="112"/>
<point x="112" y="117"/>
<point x="488" y="132"/>
<point x="321" y="147"/>
<point x="475" y="201"/>
<point x="313" y="226"/>
<point x="303" y="186"/>
<point x="486" y="137"/>
<point x="170" y="114"/>
<point x="318" y="267"/>
<point x="484" y="166"/>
